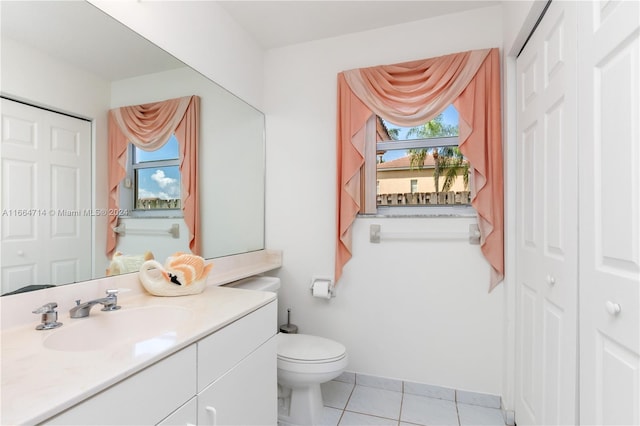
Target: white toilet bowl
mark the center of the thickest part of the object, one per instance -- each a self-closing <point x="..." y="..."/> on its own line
<point x="305" y="362"/>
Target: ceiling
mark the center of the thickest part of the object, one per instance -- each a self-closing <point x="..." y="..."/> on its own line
<point x="78" y="32"/>
<point x="84" y="36"/>
<point x="280" y="23"/>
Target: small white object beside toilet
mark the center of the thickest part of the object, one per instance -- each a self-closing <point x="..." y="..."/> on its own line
<point x="304" y="362"/>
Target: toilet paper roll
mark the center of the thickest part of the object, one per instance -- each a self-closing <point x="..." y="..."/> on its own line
<point x="321" y="289"/>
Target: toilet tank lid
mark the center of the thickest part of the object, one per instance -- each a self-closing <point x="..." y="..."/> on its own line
<point x="257" y="282"/>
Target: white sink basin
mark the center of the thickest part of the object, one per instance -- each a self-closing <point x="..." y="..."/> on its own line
<point x="102" y="329"/>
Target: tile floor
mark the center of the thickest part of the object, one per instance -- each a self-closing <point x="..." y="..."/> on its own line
<point x="373" y="401"/>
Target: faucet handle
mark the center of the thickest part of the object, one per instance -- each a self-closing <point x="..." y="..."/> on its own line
<point x="49" y="318"/>
<point x="112" y="304"/>
<point x="47" y="308"/>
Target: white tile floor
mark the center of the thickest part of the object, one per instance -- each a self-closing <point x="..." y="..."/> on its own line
<point x="386" y="404"/>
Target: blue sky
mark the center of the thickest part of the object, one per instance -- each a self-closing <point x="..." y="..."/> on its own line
<point x="450" y="116"/>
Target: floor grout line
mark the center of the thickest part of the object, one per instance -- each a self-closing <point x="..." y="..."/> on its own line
<point x="401" y="402"/>
<point x="455" y="399"/>
<point x="398" y="420"/>
<point x="346" y="403"/>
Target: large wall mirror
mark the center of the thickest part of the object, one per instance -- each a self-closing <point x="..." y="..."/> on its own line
<point x="71" y="61"/>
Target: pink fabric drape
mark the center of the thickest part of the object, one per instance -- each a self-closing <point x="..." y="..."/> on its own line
<point x="149" y="127"/>
<point x="480" y="140"/>
<point x="413" y="93"/>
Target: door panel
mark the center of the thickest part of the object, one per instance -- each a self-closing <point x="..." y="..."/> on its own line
<point x="528" y="368"/>
<point x="617" y="371"/>
<point x="546" y="259"/>
<point x="610" y="213"/>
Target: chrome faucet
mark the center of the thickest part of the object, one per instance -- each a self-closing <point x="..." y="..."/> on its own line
<point x="109" y="303"/>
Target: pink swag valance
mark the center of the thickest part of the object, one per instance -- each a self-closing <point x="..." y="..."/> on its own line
<point x="411" y="94"/>
<point x="149" y="127"/>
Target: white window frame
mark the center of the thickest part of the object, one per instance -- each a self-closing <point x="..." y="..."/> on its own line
<point x="369" y="178"/>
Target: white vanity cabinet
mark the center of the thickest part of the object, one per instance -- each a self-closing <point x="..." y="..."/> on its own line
<point x="245" y="392"/>
<point x="228" y="377"/>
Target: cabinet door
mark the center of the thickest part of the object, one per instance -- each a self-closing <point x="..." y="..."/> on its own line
<point x="220" y="351"/>
<point x="609" y="71"/>
<point x="144" y="398"/>
<point x="245" y="395"/>
<point x="546" y="233"/>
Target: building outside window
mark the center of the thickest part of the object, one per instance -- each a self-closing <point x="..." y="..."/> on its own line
<point x="424" y="159"/>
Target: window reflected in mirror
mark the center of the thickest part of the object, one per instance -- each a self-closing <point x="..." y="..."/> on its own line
<point x="157" y="177"/>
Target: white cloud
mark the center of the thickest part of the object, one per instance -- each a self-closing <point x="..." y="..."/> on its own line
<point x="162" y="180"/>
<point x="170" y="186"/>
<point x="165" y="188"/>
<point x="143" y="193"/>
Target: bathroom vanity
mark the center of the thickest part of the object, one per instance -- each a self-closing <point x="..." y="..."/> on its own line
<point x="199" y="359"/>
<point x="208" y="382"/>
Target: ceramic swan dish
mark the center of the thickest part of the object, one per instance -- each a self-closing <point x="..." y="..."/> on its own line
<point x="181" y="275"/>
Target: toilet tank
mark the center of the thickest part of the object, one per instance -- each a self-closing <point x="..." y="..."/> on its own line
<point x="257" y="282"/>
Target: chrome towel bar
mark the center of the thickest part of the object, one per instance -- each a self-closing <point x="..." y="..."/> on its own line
<point x="376" y="235"/>
<point x="122" y="229"/>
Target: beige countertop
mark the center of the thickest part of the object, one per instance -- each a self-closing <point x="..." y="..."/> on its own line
<point x="38" y="382"/>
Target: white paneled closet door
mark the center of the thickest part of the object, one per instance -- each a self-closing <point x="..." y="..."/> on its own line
<point x="609" y="153"/>
<point x="46" y="188"/>
<point x="547" y="214"/>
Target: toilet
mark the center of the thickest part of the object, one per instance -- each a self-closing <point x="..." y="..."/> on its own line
<point x="304" y="362"/>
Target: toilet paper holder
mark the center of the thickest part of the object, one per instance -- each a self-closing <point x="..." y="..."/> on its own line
<point x="318" y="286"/>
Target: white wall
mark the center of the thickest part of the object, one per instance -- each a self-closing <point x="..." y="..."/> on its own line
<point x="417" y="311"/>
<point x="201" y="34"/>
<point x="34" y="77"/>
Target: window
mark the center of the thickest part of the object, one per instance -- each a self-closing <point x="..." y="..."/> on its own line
<point x="414" y="186"/>
<point x="154" y="179"/>
<point x="151" y="125"/>
<point x="419" y="167"/>
<point x="400" y="91"/>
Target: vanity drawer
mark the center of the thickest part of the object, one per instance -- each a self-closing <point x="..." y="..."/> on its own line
<point x="219" y="352"/>
<point x="144" y="398"/>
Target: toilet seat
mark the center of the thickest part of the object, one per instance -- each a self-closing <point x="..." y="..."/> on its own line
<point x="307" y="349"/>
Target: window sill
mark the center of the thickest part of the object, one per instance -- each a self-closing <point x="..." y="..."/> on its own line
<point x="422" y="212"/>
<point x="144" y="216"/>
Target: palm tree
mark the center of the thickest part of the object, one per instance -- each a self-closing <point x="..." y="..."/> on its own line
<point x="447" y="158"/>
<point x="450" y="160"/>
